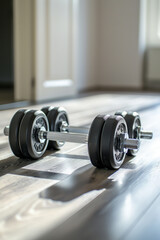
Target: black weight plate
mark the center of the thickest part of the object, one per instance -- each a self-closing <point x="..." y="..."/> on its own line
<point x="46" y="109"/>
<point x="31" y="123"/>
<point x="55" y="118"/>
<point x="121" y="113"/>
<point x="110" y="156"/>
<point x="133" y="121"/>
<point x="14" y="132"/>
<point x="94" y="139"/>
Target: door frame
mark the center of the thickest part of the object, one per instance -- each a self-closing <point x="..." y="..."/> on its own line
<point x="30" y="81"/>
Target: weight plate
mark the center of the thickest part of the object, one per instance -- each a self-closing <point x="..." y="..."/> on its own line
<point x="94" y="139"/>
<point x="55" y="117"/>
<point x="121" y="113"/>
<point x="134" y="125"/>
<point x="31" y="124"/>
<point x="46" y="109"/>
<point x="14" y="132"/>
<point x="113" y="127"/>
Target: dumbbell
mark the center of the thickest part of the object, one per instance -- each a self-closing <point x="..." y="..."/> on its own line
<point x="107" y="138"/>
<point x="59" y="114"/>
<point x="135" y="129"/>
<point x="59" y="121"/>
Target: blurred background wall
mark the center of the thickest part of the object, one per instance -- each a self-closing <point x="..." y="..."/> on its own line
<point x="112" y="37"/>
<point x="88" y="44"/>
<point x="120" y="50"/>
<point x="117" y="43"/>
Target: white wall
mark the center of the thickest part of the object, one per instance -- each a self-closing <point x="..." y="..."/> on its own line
<point x="87" y="44"/>
<point x="120" y="63"/>
<point x="109" y="45"/>
<point x="153" y="23"/>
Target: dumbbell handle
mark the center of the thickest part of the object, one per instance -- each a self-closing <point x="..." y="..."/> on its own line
<point x="76" y="138"/>
<point x="82" y="138"/>
<point x="85" y="130"/>
<point x="68" y="128"/>
<point x="58" y="136"/>
<point x="64" y="128"/>
<point x="64" y="137"/>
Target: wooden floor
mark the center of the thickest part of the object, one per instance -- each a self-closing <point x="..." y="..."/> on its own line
<point x="62" y="196"/>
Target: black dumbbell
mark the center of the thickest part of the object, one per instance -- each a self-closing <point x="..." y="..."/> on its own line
<point x="59" y="114"/>
<point x="134" y="128"/>
<point x="107" y="138"/>
<point x="59" y="121"/>
<point x="16" y="140"/>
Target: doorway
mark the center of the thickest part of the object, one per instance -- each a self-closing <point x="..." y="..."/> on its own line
<point x="6" y="50"/>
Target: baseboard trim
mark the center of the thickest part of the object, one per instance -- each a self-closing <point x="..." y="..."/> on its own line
<point x="14" y="105"/>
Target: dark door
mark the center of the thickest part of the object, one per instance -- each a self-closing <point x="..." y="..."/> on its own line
<point x="6" y="43"/>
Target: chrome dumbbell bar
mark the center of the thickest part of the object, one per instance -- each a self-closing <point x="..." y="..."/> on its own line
<point x="75" y="138"/>
<point x="68" y="128"/>
<point x="82" y="138"/>
<point x="145" y="135"/>
<point x="84" y="130"/>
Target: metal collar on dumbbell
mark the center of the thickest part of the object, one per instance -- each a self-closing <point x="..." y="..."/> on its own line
<point x="6" y="131"/>
<point x="140" y="133"/>
<point x="146" y="135"/>
<point x="123" y="143"/>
